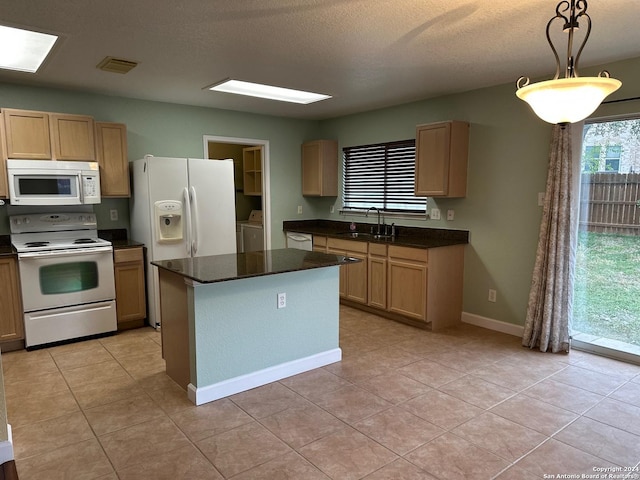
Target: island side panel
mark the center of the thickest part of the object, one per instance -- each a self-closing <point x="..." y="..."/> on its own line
<point x="175" y="307"/>
<point x="240" y="331"/>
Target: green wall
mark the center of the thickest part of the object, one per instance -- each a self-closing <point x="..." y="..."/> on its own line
<point x="507" y="166"/>
<point x="170" y="130"/>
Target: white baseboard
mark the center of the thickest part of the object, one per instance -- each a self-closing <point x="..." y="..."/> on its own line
<point x="491" y="324"/>
<point x="6" y="447"/>
<point x="209" y="393"/>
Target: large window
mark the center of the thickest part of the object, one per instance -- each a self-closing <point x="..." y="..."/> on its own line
<point x="382" y="176"/>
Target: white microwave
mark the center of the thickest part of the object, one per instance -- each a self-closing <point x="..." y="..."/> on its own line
<point x="48" y="182"/>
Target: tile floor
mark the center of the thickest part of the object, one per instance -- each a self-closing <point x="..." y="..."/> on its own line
<point x="403" y="404"/>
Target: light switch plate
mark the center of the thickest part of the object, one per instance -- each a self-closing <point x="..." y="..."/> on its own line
<point x="435" y="214"/>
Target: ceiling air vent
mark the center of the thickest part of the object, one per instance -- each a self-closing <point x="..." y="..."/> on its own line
<point x="116" y="65"/>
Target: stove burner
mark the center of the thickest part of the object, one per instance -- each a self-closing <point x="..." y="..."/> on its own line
<point x="84" y="240"/>
<point x="36" y="244"/>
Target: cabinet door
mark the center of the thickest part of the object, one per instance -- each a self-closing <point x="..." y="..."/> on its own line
<point x="357" y="278"/>
<point x="319" y="244"/>
<point x="111" y="154"/>
<point x="4" y="188"/>
<point x="407" y="286"/>
<point x="129" y="282"/>
<point x="72" y="137"/>
<point x="320" y="168"/>
<point x="377" y="282"/>
<point x="311" y="173"/>
<point x="442" y="151"/>
<point x="11" y="320"/>
<point x="432" y="159"/>
<point x="27" y="134"/>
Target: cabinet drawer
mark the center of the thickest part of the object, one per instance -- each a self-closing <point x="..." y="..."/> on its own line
<point x="349" y="245"/>
<point x="408" y="253"/>
<point x="378" y="249"/>
<point x="127" y="255"/>
<point x="319" y="241"/>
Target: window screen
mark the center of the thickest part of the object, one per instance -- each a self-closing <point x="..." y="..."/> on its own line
<point x="382" y="176"/>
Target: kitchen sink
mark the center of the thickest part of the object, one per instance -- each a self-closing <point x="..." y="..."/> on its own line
<point x="355" y="234"/>
<point x="364" y="235"/>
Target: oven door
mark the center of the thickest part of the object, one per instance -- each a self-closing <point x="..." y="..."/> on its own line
<point x="63" y="278"/>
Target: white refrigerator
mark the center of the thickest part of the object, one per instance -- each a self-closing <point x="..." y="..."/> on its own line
<point x="181" y="207"/>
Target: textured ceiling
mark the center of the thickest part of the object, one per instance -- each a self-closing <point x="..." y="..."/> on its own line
<point x="367" y="54"/>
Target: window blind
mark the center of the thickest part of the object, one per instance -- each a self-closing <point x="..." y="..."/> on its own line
<point x="382" y="176"/>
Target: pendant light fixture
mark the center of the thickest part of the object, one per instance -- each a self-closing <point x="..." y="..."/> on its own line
<point x="572" y="98"/>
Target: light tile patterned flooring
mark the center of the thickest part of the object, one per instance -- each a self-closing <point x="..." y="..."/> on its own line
<point x="403" y="404"/>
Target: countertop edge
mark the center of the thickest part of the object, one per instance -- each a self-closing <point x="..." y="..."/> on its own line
<point x="415" y="237"/>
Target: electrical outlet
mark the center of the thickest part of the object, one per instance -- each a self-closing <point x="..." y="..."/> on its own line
<point x="114" y="215"/>
<point x="492" y="295"/>
<point x="282" y="300"/>
<point x="331" y="209"/>
<point x="435" y="214"/>
<point x="450" y="214"/>
<point x="540" y="199"/>
<point x="299" y="209"/>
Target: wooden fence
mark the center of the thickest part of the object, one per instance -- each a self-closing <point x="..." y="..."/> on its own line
<point x="610" y="203"/>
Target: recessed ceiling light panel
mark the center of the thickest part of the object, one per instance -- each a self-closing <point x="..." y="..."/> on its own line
<point x="24" y="50"/>
<point x="267" y="91"/>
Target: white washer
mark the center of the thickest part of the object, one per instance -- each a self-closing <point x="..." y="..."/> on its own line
<point x="253" y="232"/>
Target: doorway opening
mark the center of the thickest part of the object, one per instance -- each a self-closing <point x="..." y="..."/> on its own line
<point x="606" y="316"/>
<point x="251" y="177"/>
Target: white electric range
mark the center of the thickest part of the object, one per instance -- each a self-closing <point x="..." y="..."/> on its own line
<point x="66" y="277"/>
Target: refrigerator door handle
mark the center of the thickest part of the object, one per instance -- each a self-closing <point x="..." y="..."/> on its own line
<point x="194" y="221"/>
<point x="187" y="212"/>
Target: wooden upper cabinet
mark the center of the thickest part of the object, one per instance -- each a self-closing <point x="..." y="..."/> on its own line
<point x="33" y="135"/>
<point x="320" y="168"/>
<point x="72" y="137"/>
<point x="4" y="188"/>
<point x="252" y="170"/>
<point x="27" y="134"/>
<point x="442" y="151"/>
<point x="111" y="154"/>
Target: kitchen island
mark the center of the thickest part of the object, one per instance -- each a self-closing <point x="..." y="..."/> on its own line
<point x="227" y="327"/>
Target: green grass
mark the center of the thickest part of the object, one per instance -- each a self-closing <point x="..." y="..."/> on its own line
<point x="607" y="286"/>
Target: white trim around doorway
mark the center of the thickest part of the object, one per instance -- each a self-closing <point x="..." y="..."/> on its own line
<point x="266" y="189"/>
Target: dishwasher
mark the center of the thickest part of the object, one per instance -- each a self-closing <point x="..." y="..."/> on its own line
<point x="301" y="241"/>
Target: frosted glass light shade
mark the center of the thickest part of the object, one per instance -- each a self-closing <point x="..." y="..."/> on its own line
<point x="259" y="90"/>
<point x="24" y="50"/>
<point x="567" y="100"/>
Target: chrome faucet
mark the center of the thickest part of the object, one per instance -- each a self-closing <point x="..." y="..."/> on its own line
<point x="377" y="210"/>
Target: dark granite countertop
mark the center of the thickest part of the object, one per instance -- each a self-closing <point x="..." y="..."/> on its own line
<point x="6" y="249"/>
<point x="222" y="268"/>
<point x="405" y="236"/>
<point x="118" y="238"/>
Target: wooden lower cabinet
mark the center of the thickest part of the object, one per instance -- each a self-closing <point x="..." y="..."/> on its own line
<point x="131" y="303"/>
<point x="11" y="320"/>
<point x="319" y="244"/>
<point x="407" y="282"/>
<point x="419" y="286"/>
<point x="353" y="276"/>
